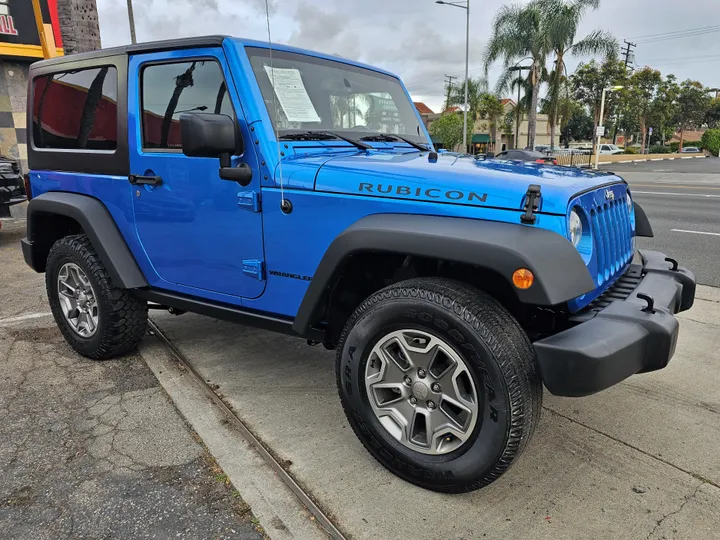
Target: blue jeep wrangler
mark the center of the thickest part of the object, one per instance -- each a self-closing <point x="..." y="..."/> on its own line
<point x="300" y="192"/>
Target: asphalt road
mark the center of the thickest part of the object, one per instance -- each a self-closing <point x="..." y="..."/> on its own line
<point x="682" y="200"/>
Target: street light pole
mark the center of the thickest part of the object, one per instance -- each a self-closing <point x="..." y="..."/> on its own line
<point x="466" y="6"/>
<point x="131" y="20"/>
<point x="601" y="121"/>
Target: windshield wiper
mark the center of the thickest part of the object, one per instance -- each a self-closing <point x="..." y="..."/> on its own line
<point x="389" y="137"/>
<point x="323" y="135"/>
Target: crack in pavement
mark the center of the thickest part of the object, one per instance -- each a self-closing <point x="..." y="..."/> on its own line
<point x="627" y="444"/>
<point x="688" y="498"/>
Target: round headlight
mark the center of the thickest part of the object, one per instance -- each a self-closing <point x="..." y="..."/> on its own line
<point x="576" y="229"/>
<point x="629" y="202"/>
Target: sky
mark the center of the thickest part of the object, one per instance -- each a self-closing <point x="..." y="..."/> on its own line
<point x="419" y="40"/>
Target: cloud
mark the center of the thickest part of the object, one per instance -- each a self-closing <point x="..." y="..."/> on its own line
<point x="417" y="39"/>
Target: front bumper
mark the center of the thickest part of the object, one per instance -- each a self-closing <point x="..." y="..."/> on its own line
<point x="626" y="337"/>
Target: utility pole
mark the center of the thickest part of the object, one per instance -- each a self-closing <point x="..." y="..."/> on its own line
<point x="628" y="53"/>
<point x="449" y="82"/>
<point x="629" y="58"/>
<point x="131" y="20"/>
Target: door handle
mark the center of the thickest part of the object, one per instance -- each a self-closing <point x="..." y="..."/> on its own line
<point x="149" y="180"/>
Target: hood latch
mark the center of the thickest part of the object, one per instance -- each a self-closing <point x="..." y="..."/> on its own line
<point x="532" y="203"/>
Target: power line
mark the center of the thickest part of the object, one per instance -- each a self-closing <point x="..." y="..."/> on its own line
<point x="713" y="28"/>
<point x="678" y="35"/>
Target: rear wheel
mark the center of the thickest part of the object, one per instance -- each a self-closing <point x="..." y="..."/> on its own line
<point x="439" y="382"/>
<point x="97" y="319"/>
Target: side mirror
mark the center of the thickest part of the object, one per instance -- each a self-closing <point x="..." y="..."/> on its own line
<point x="214" y="135"/>
<point x="490" y="155"/>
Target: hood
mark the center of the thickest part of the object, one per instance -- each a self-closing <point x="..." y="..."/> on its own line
<point x="460" y="180"/>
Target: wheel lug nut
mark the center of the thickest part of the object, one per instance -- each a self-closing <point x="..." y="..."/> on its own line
<point x="430" y="405"/>
<point x="436" y="388"/>
<point x="421" y="373"/>
<point x="408" y="381"/>
<point x="413" y="400"/>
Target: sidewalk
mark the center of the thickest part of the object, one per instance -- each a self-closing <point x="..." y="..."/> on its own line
<point x="94" y="449"/>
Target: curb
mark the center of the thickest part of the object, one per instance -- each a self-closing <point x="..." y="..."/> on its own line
<point x="644" y="160"/>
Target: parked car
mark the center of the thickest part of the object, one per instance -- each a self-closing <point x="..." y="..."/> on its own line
<point x="610" y="149"/>
<point x="527" y="155"/>
<point x="12" y="185"/>
<point x="690" y="150"/>
<point x="451" y="288"/>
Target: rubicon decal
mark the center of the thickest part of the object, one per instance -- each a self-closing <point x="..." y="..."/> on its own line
<point x="420" y="192"/>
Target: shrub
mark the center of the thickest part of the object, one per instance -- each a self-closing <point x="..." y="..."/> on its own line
<point x="711" y="141"/>
<point x="659" y="149"/>
<point x="631" y="150"/>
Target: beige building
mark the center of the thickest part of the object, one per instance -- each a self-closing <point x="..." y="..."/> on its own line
<point x="482" y="137"/>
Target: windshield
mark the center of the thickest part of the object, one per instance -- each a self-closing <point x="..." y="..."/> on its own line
<point x="313" y="94"/>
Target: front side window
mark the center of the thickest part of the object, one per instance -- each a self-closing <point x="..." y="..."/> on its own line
<point x="169" y="90"/>
<point x="307" y="93"/>
<point x="76" y="109"/>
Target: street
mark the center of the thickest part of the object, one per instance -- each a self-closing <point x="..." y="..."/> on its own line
<point x="682" y="201"/>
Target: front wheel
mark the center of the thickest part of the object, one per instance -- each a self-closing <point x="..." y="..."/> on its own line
<point x="439" y="383"/>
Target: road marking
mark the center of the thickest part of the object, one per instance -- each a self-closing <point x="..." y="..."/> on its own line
<point x="20" y="318"/>
<point x="634" y="192"/>
<point x="674" y="186"/>
<point x="696" y="232"/>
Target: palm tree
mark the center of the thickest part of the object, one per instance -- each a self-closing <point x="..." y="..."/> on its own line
<point x="477" y="88"/>
<point x="560" y="21"/>
<point x="518" y="32"/>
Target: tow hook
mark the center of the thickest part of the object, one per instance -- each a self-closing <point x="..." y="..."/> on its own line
<point x="650" y="308"/>
<point x="674" y="264"/>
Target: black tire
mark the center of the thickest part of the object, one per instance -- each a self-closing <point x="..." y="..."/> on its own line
<point x="122" y="320"/>
<point x="493" y="345"/>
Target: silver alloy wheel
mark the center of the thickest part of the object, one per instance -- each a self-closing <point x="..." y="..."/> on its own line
<point x="421" y="391"/>
<point x="77" y="300"/>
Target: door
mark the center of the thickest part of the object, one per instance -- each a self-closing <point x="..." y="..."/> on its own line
<point x="200" y="232"/>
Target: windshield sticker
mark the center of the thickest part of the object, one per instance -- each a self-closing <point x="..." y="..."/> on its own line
<point x="292" y="95"/>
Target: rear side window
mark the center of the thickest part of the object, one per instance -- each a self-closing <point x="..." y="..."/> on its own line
<point x="169" y="90"/>
<point x="76" y="109"/>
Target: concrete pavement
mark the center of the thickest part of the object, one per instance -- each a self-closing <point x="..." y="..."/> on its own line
<point x="94" y="449"/>
<point x="637" y="461"/>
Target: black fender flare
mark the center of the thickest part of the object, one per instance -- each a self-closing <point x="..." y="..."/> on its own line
<point x="96" y="222"/>
<point x="642" y="223"/>
<point x="560" y="273"/>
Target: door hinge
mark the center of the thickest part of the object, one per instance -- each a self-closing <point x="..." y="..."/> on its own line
<point x="254" y="269"/>
<point x="249" y="200"/>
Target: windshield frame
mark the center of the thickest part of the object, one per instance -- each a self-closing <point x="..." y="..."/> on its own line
<point x="420" y="136"/>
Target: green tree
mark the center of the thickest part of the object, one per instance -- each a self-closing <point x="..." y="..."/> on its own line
<point x="711" y="141"/>
<point x="449" y="129"/>
<point x="693" y="103"/>
<point x="587" y="84"/>
<point x="560" y="20"/>
<point x="663" y="108"/>
<point x="477" y="88"/>
<point x="491" y="107"/>
<point x="712" y="117"/>
<point x="579" y="126"/>
<point x="517" y="34"/>
<point x="638" y="98"/>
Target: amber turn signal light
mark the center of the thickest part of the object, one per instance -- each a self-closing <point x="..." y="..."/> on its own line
<point x="523" y="278"/>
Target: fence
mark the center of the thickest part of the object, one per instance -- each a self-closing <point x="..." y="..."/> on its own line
<point x="573" y="158"/>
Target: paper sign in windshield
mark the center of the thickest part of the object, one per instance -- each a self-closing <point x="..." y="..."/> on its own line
<point x="292" y="95"/>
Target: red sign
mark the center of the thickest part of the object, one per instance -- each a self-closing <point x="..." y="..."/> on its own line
<point x="18" y="28"/>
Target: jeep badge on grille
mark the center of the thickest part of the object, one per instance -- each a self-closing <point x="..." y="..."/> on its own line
<point x="609" y="195"/>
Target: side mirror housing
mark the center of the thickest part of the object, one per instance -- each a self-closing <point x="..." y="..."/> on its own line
<point x="214" y="135"/>
<point x="208" y="135"/>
